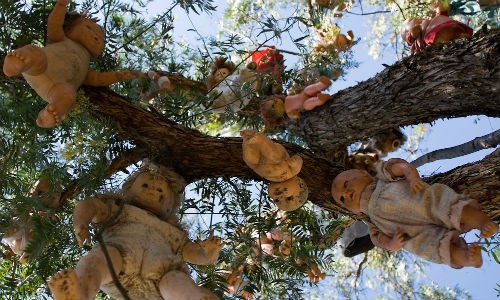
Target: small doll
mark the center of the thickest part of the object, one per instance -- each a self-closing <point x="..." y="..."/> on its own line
<point x="221" y="68"/>
<point x="233" y="90"/>
<point x="156" y="85"/>
<point x="310" y="98"/>
<point x="420" y="33"/>
<point x="57" y="70"/>
<point x="272" y="110"/>
<point x="269" y="66"/>
<point x="404" y="212"/>
<point x="147" y="246"/>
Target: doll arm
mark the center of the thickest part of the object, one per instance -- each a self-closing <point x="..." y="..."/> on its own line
<point x="381" y="240"/>
<point x="401" y="168"/>
<point x="95" y="78"/>
<point x="55" y="32"/>
<point x="86" y="211"/>
<point x="202" y="252"/>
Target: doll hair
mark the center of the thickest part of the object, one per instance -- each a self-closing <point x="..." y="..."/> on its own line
<point x="219" y="63"/>
<point x="71" y="17"/>
<point x="174" y="180"/>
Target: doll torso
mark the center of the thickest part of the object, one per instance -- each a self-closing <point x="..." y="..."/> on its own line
<point x="150" y="247"/>
<point x="67" y="62"/>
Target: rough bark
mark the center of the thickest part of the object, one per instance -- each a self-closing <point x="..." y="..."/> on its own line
<point x="453" y="80"/>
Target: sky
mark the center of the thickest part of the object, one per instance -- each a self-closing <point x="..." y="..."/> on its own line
<point x="480" y="283"/>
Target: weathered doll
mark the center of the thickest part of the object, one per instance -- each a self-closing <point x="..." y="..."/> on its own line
<point x="404" y="212"/>
<point x="57" y="70"/>
<point x="271" y="161"/>
<point x="156" y="85"/>
<point x="269" y="66"/>
<point x="420" y="33"/>
<point x="310" y="98"/>
<point x="147" y="246"/>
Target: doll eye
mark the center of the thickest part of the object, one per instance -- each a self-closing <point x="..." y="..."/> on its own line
<point x="145" y="185"/>
<point x="342" y="199"/>
<point x="159" y="190"/>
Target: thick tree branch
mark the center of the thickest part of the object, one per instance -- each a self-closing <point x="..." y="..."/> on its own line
<point x="195" y="155"/>
<point x="452" y="80"/>
<point x="490" y="140"/>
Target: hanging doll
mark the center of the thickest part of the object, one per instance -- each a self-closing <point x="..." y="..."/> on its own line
<point x="20" y="233"/>
<point x="232" y="89"/>
<point x="310" y="98"/>
<point x="57" y="70"/>
<point x="155" y="85"/>
<point x="271" y="161"/>
<point x="404" y="212"/>
<point x="269" y="66"/>
<point x="420" y="33"/>
<point x="147" y="246"/>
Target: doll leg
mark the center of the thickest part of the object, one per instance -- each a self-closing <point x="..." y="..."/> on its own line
<point x="322" y="84"/>
<point x="314" y="102"/>
<point x="293" y="105"/>
<point x="177" y="285"/>
<point x="29" y="59"/>
<point x="62" y="98"/>
<point x="472" y="216"/>
<point x="465" y="256"/>
<point x="91" y="272"/>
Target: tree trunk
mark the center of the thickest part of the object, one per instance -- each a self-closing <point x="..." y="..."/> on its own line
<point x="451" y="80"/>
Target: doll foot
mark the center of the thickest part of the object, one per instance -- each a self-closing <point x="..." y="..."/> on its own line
<point x="64" y="285"/>
<point x="48" y="117"/>
<point x="474" y="256"/>
<point x="15" y="63"/>
<point x="489" y="229"/>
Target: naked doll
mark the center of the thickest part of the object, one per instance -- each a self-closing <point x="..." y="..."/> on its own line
<point x="57" y="70"/>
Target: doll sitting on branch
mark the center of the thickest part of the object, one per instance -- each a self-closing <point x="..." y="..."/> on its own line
<point x="57" y="70"/>
<point x="404" y="212"/>
<point x="147" y="246"/>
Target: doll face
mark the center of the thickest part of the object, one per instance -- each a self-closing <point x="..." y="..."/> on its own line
<point x="149" y="192"/>
<point x="348" y="186"/>
<point x="88" y="34"/>
<point x="221" y="73"/>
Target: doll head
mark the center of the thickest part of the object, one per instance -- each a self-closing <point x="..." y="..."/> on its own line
<point x="156" y="189"/>
<point x="348" y="186"/>
<point x="83" y="30"/>
<point x="290" y="194"/>
<point x="221" y="68"/>
<point x="411" y="30"/>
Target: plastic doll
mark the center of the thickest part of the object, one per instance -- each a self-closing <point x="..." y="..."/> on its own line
<point x="420" y="33"/>
<point x="146" y="244"/>
<point x="310" y="98"/>
<point x="57" y="70"/>
<point x="404" y="212"/>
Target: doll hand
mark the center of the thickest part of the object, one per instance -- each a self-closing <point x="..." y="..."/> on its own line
<point x="398" y="241"/>
<point x="212" y="246"/>
<point x="416" y="184"/>
<point x="82" y="233"/>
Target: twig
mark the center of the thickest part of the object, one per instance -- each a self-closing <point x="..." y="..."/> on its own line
<point x="369" y="13"/>
<point x="484" y="142"/>
<point x="400" y="9"/>
<point x="99" y="238"/>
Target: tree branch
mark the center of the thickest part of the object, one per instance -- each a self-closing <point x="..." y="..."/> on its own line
<point x="484" y="142"/>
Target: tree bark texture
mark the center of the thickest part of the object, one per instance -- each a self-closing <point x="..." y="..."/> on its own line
<point x="457" y="79"/>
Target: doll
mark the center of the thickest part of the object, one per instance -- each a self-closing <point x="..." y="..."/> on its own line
<point x="156" y="85"/>
<point x="310" y="98"/>
<point x="271" y="161"/>
<point x="420" y="33"/>
<point x="404" y="212"/>
<point x="269" y="66"/>
<point x="147" y="246"/>
<point x="221" y="68"/>
<point x="272" y="110"/>
<point x="234" y="90"/>
<point x="57" y="70"/>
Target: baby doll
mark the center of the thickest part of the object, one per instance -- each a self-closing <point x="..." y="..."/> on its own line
<point x="145" y="242"/>
<point x="420" y="33"/>
<point x="271" y="161"/>
<point x="310" y="98"/>
<point x="156" y="85"/>
<point x="404" y="212"/>
<point x="57" y="70"/>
